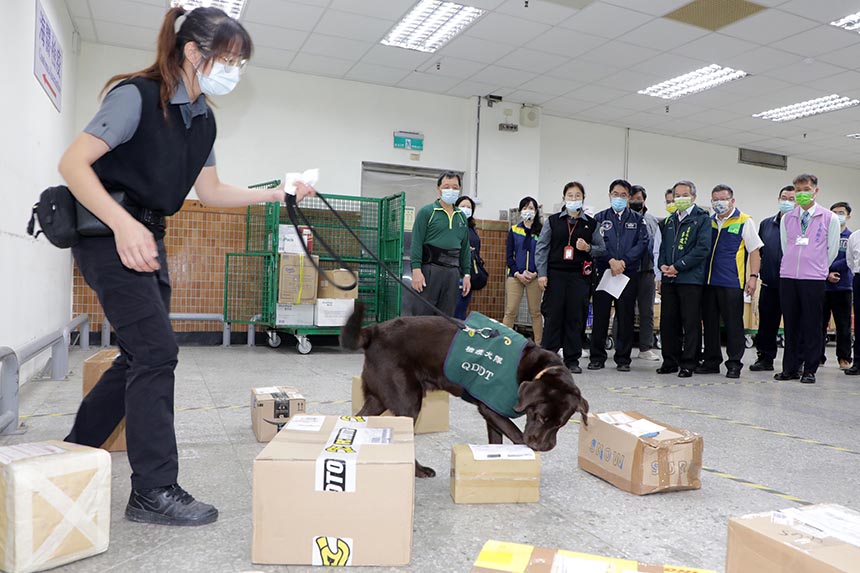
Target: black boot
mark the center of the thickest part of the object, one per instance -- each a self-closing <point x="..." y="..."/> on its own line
<point x="169" y="505"/>
<point x="762" y="365"/>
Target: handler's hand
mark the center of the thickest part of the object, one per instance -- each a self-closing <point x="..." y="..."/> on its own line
<point x="136" y="246"/>
<point x="418" y="282"/>
<point x="467" y="285"/>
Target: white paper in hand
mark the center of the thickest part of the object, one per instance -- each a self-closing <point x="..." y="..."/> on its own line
<point x="614" y="285"/>
<point x="308" y="177"/>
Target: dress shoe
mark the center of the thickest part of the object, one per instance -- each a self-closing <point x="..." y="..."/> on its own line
<point x="707" y="370"/>
<point x="782" y="376"/>
<point x="623" y="368"/>
<point x="667" y="370"/>
<point x="594" y="365"/>
<point x="574" y="369"/>
<point x="854" y="370"/>
<point x="169" y="505"/>
<point x="685" y="373"/>
<point x="733" y="373"/>
<point x="844" y="364"/>
<point x="807" y="378"/>
<point x="762" y="365"/>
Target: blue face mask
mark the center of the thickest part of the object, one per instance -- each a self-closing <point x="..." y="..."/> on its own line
<point x="618" y="204"/>
<point x="786" y="206"/>
<point x="842" y="219"/>
<point x="573" y="206"/>
<point x="450" y="195"/>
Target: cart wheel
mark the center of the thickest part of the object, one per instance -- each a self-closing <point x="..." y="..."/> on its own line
<point x="304" y="345"/>
<point x="780" y="341"/>
<point x="610" y="343"/>
<point x="748" y="341"/>
<point x="657" y="343"/>
<point x="273" y="339"/>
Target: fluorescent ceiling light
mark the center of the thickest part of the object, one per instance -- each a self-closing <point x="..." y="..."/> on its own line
<point x="233" y="8"/>
<point x="853" y="135"/>
<point x="694" y="82"/>
<point x="430" y="24"/>
<point x="807" y="108"/>
<point x="850" y="23"/>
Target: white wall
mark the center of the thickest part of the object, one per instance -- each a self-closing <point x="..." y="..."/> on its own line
<point x="35" y="280"/>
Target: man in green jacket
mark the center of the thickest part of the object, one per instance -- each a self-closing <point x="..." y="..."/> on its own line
<point x="683" y="262"/>
<point x="440" y="252"/>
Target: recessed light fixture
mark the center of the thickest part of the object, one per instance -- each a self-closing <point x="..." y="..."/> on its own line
<point x="694" y="82"/>
<point x="233" y="8"/>
<point x="853" y="135"/>
<point x="430" y="24"/>
<point x="850" y="23"/>
<point x="816" y="106"/>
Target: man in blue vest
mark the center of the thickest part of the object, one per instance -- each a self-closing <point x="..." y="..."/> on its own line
<point x="837" y="293"/>
<point x="733" y="241"/>
<point x="626" y="237"/>
<point x="769" y="309"/>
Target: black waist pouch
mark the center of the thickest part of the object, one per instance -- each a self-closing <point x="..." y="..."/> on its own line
<point x="64" y="221"/>
<point x="442" y="257"/>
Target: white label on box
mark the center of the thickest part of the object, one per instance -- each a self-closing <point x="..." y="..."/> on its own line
<point x="306" y="423"/>
<point x="569" y="564"/>
<point x="641" y="427"/>
<point x="332" y="551"/>
<point x="9" y="454"/>
<point x="502" y="452"/>
<point x="266" y="390"/>
<point x="292" y="395"/>
<point x="830" y="521"/>
<point x="615" y="418"/>
<point x="378" y="436"/>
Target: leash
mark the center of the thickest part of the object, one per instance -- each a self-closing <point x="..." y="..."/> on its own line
<point x="296" y="216"/>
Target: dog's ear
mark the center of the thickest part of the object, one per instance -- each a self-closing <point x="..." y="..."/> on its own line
<point x="582" y="408"/>
<point x="528" y="394"/>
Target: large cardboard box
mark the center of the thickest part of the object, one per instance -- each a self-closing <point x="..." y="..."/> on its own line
<point x="289" y="242"/>
<point x="94" y="367"/>
<point x="297" y="279"/>
<point x="272" y="407"/>
<point x="494" y="474"/>
<point x="812" y="539"/>
<point x="333" y="311"/>
<point x="331" y="490"/>
<point x="343" y="277"/>
<point x="433" y="417"/>
<point x="294" y="315"/>
<point x="506" y="557"/>
<point x="54" y="505"/>
<point x="640" y="455"/>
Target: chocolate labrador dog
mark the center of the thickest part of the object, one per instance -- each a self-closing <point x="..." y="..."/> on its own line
<point x="404" y="359"/>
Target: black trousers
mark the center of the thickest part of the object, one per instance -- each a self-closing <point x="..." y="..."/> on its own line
<point x="625" y="308"/>
<point x="769" y="317"/>
<point x="139" y="384"/>
<point x="802" y="304"/>
<point x="726" y="303"/>
<point x="681" y="324"/>
<point x="564" y="308"/>
<point x="838" y="303"/>
<point x="442" y="290"/>
<point x="856" y="318"/>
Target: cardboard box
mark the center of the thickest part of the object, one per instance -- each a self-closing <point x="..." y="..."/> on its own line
<point x="433" y="417"/>
<point x="272" y="407"/>
<point x="640" y="455"/>
<point x="54" y="505"/>
<point x="333" y="311"/>
<point x="297" y="279"/>
<point x="327" y="289"/>
<point x="94" y="367"/>
<point x="288" y="239"/>
<point x="494" y="474"/>
<point x="335" y="490"/>
<point x="812" y="539"/>
<point x="294" y="315"/>
<point x="506" y="557"/>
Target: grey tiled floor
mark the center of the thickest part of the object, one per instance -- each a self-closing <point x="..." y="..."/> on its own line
<point x="577" y="511"/>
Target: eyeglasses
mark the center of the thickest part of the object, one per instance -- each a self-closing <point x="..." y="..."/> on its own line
<point x="233" y="62"/>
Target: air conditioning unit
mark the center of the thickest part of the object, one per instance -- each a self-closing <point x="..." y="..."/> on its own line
<point x="762" y="159"/>
<point x="529" y="115"/>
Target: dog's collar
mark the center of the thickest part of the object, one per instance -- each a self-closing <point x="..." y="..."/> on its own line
<point x="545" y="370"/>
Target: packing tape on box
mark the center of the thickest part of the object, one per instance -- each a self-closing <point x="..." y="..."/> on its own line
<point x="336" y="464"/>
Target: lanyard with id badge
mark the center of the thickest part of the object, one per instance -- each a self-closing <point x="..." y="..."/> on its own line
<point x="569" y="250"/>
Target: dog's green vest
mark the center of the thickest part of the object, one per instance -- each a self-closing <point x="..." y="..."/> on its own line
<point x="483" y="360"/>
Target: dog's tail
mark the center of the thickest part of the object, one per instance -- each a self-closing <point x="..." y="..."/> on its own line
<point x="352" y="335"/>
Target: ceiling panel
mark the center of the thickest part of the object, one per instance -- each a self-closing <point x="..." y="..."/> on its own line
<point x="714" y="48"/>
<point x="274" y="58"/>
<point x="529" y="97"/>
<point x="385" y="9"/>
<point x="768" y="26"/>
<point x="452" y="67"/>
<point x="286" y="14"/>
<point x="274" y="37"/>
<point x="823" y="12"/>
<point x="353" y="26"/>
<point x="321" y="65"/>
<point x="582" y="71"/>
<point x="538" y="11"/>
<point x="619" y="54"/>
<point x="606" y="20"/>
<point x="371" y="73"/>
<point x="128" y="36"/>
<point x="566" y="42"/>
<point x="817" y="41"/>
<point x="334" y="47"/>
<point x="549" y="85"/>
<point x="471" y="88"/>
<point x="476" y="49"/>
<point x="507" y="29"/>
<point x="653" y="7"/>
<point x="662" y="34"/>
<point x="507" y="77"/>
<point x="395" y="57"/>
<point x="427" y="82"/>
<point x="531" y="60"/>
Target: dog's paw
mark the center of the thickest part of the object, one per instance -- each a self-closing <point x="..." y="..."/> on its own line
<point x="424" y="471"/>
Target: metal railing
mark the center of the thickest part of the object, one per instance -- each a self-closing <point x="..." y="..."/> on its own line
<point x="193" y="316"/>
<point x="11" y="361"/>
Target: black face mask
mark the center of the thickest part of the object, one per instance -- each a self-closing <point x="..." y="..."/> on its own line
<point x="637" y="206"/>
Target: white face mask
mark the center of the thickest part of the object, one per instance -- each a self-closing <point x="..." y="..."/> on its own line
<point x="527" y="215"/>
<point x="466" y="211"/>
<point x="573" y="206"/>
<point x="220" y="80"/>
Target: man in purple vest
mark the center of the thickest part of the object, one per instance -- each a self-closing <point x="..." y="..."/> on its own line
<point x="810" y="242"/>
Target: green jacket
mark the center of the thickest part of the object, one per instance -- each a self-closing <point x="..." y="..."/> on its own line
<point x="434" y="227"/>
<point x="687" y="245"/>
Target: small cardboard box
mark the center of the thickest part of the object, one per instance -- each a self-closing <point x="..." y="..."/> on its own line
<point x="272" y="407"/>
<point x="54" y="505"/>
<point x="297" y="279"/>
<point x="640" y="455"/>
<point x="288" y="239"/>
<point x="294" y="315"/>
<point x="94" y="367"/>
<point x="333" y="311"/>
<point x="335" y="490"/>
<point x="343" y="277"/>
<point x="494" y="474"/>
<point x="500" y="556"/>
<point x="433" y="417"/>
<point x="813" y="539"/>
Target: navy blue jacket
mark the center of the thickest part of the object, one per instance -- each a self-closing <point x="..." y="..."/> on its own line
<point x="840" y="265"/>
<point x="520" y="249"/>
<point x="687" y="245"/>
<point x="626" y="238"/>
<point x="771" y="252"/>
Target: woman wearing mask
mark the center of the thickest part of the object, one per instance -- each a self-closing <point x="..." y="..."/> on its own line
<point x="522" y="268"/>
<point x="467" y="206"/>
<point x="153" y="139"/>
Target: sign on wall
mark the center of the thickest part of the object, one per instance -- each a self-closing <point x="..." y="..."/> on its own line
<point x="409" y="140"/>
<point x="48" y="58"/>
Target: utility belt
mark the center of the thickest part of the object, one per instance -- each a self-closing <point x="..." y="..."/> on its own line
<point x="431" y="255"/>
